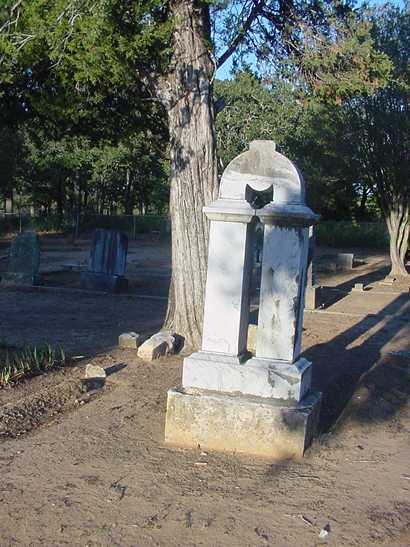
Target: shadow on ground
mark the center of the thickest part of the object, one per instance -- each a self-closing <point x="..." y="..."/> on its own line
<point x="343" y="367"/>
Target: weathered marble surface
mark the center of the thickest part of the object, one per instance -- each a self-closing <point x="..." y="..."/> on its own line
<point x="241" y="425"/>
<point x="226" y="313"/>
<point x="282" y="293"/>
<point x="260" y="377"/>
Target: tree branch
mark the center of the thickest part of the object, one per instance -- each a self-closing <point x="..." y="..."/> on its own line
<point x="253" y="14"/>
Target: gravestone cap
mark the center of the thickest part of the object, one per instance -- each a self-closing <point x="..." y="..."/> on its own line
<point x="260" y="168"/>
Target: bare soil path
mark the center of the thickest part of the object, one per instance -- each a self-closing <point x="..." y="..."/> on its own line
<point x="93" y="471"/>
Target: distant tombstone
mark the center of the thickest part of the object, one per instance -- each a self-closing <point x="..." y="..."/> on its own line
<point x="24" y="261"/>
<point x="336" y="262"/>
<point x="107" y="262"/>
<point x="345" y="261"/>
<point x="9" y="206"/>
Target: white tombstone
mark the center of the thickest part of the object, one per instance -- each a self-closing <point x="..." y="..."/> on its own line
<point x="230" y="400"/>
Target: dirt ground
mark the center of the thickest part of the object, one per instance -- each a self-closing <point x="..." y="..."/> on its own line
<point x="91" y="469"/>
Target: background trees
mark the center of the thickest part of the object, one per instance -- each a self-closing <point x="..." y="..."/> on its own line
<point x="107" y="83"/>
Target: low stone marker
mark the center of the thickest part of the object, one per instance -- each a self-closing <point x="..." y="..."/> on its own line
<point x="130" y="340"/>
<point x="230" y="400"/>
<point x="107" y="262"/>
<point x="336" y="262"/>
<point x="345" y="261"/>
<point x="358" y="287"/>
<point x="24" y="261"/>
<point x="160" y="344"/>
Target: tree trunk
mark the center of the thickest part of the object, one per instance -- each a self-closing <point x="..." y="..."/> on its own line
<point x="129" y="195"/>
<point x="60" y="198"/>
<point x="193" y="166"/>
<point x="398" y="225"/>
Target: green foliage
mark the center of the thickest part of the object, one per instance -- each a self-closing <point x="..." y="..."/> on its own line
<point x="307" y="132"/>
<point x="30" y="361"/>
<point x="254" y="111"/>
<point x="371" y="235"/>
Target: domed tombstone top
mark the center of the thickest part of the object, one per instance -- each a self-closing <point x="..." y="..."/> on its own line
<point x="260" y="168"/>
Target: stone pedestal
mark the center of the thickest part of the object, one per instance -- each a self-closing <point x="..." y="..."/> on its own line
<point x="239" y="424"/>
<point x="95" y="281"/>
<point x="229" y="400"/>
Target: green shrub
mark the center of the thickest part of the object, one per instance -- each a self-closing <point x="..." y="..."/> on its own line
<point x="351" y="234"/>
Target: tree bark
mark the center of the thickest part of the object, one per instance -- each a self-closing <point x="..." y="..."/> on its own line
<point x="193" y="165"/>
<point x="398" y="225"/>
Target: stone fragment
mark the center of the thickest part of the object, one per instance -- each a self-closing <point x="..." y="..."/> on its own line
<point x="94" y="377"/>
<point x="158" y="345"/>
<point x="129" y="340"/>
<point x="94" y="371"/>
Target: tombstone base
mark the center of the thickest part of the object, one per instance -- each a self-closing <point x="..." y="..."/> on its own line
<point x="257" y="377"/>
<point x="103" y="282"/>
<point x="239" y="424"/>
<point x="312" y="297"/>
<point x="11" y="278"/>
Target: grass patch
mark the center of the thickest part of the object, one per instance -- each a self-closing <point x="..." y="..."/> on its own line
<point x="16" y="364"/>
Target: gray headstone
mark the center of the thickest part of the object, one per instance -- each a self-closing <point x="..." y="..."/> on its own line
<point x="107" y="263"/>
<point x="24" y="260"/>
<point x="345" y="261"/>
<point x="108" y="252"/>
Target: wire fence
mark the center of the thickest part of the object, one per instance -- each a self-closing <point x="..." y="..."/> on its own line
<point x="329" y="233"/>
<point x="80" y="224"/>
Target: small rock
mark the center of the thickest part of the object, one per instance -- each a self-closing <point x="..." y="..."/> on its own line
<point x="94" y="377"/>
<point x="94" y="371"/>
<point x="324" y="532"/>
<point x="129" y="340"/>
<point x="158" y="345"/>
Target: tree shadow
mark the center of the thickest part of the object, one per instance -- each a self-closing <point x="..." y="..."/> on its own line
<point x="340" y="369"/>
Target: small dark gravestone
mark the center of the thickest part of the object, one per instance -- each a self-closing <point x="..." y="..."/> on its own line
<point x="108" y="259"/>
<point x="24" y="261"/>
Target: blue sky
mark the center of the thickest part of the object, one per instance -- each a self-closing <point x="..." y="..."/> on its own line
<point x="224" y="73"/>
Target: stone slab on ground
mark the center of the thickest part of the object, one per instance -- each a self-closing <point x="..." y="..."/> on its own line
<point x="94" y="377"/>
<point x="131" y="340"/>
<point x="157" y="346"/>
<point x="240" y="424"/>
